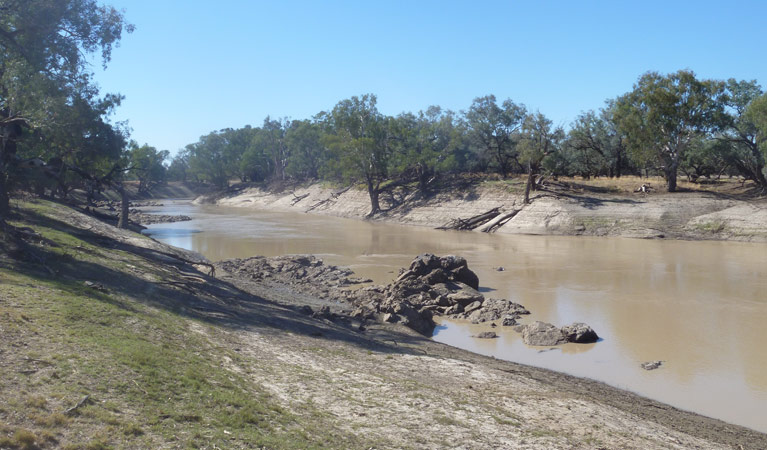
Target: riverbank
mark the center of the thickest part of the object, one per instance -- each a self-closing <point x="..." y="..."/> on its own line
<point x="571" y="209"/>
<point x="116" y="340"/>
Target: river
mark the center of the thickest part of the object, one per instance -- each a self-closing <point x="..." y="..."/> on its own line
<point x="700" y="307"/>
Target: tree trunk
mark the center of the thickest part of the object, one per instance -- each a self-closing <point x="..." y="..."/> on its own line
<point x="424" y="173"/>
<point x="124" y="207"/>
<point x="671" y="178"/>
<point x="375" y="206"/>
<point x="5" y="204"/>
<point x="529" y="183"/>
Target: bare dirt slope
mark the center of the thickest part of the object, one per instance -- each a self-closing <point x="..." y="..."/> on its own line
<point x="682" y="215"/>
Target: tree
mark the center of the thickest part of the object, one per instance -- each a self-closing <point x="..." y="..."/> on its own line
<point x="741" y="129"/>
<point x="598" y="144"/>
<point x="495" y="130"/>
<point x="307" y="155"/>
<point x="664" y="114"/>
<point x="179" y="166"/>
<point x="209" y="159"/>
<point x="44" y="51"/>
<point x="147" y="164"/>
<point x="275" y="145"/>
<point x="358" y="145"/>
<point x="424" y="145"/>
<point x="539" y="139"/>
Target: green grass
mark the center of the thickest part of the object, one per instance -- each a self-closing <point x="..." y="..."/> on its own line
<point x="149" y="378"/>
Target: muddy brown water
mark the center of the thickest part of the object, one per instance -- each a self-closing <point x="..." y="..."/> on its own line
<point x="701" y="307"/>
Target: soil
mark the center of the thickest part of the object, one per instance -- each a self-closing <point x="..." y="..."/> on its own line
<point x="727" y="214"/>
<point x="383" y="381"/>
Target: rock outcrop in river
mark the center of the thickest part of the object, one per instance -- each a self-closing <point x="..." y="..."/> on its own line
<point x="546" y="334"/>
<point x="432" y="286"/>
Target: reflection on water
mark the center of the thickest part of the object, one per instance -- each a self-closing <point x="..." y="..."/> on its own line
<point x="699" y="306"/>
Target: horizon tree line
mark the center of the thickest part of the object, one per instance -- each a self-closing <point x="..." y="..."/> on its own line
<point x="56" y="134"/>
<point x="667" y="125"/>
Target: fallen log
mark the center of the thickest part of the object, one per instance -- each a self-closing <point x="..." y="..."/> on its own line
<point x="298" y="198"/>
<point x="333" y="196"/>
<point x="472" y="222"/>
<point x="498" y="221"/>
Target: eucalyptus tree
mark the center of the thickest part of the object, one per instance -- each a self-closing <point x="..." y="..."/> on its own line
<point x="597" y="144"/>
<point x="664" y="114"/>
<point x="425" y="145"/>
<point x="256" y="163"/>
<point x="741" y="129"/>
<point x="45" y="46"/>
<point x="178" y="170"/>
<point x="148" y="166"/>
<point x="495" y="131"/>
<point x="273" y="141"/>
<point x="357" y="139"/>
<point x="209" y="160"/>
<point x="539" y="139"/>
<point x="306" y="152"/>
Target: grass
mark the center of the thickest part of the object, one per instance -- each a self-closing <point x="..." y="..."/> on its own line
<point x="149" y="378"/>
<point x="624" y="185"/>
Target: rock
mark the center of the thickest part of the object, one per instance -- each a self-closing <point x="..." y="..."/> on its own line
<point x="519" y="328"/>
<point x="305" y="309"/>
<point x="464" y="294"/>
<point x="324" y="313"/>
<point x="543" y="334"/>
<point x="486" y="335"/>
<point x="472" y="307"/>
<point x="509" y="321"/>
<point x="651" y="365"/>
<point x="389" y="317"/>
<point x="455" y="309"/>
<point x="499" y="268"/>
<point x="580" y="333"/>
<point x="466" y="276"/>
<point x="97" y="286"/>
<point x="424" y="263"/>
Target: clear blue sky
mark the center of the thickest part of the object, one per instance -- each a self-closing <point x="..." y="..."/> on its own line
<point x="193" y="66"/>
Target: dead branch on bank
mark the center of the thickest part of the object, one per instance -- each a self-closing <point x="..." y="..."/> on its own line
<point x="472" y="222"/>
<point x="498" y="221"/>
<point x="298" y="198"/>
<point x="333" y="196"/>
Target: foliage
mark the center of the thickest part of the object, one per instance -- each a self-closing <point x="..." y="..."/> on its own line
<point x="147" y="164"/>
<point x="358" y="145"/>
<point x="664" y="114"/>
<point x="495" y="131"/>
<point x="45" y="83"/>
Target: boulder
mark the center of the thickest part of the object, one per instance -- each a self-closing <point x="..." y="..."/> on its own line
<point x="543" y="334"/>
<point x="579" y="333"/>
<point x="466" y="276"/>
<point x="651" y="365"/>
<point x="486" y="335"/>
<point x="464" y="295"/>
<point x="509" y="321"/>
<point x="472" y="306"/>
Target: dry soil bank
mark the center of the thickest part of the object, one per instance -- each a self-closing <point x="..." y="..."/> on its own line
<point x="682" y="215"/>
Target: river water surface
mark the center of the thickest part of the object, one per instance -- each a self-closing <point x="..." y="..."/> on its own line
<point x="698" y="306"/>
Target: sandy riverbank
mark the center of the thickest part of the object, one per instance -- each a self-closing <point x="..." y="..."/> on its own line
<point x="682" y="215"/>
